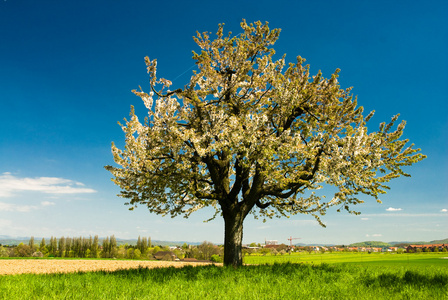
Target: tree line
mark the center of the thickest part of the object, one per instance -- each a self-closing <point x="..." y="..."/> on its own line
<point x="74" y="247"/>
<point x="93" y="247"/>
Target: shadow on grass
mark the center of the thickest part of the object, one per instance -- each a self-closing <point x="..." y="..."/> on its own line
<point x="195" y="273"/>
<point x="413" y="278"/>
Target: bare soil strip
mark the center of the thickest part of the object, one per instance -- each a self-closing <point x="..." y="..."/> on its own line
<point x="47" y="266"/>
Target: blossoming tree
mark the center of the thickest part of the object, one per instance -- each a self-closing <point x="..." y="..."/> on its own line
<point x="249" y="134"/>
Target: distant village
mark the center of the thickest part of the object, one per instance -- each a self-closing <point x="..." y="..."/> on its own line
<point x="274" y="245"/>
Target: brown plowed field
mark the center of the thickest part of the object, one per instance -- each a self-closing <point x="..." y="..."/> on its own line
<point x="45" y="266"/>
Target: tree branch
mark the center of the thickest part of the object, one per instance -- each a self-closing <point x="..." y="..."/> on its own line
<point x="262" y="206"/>
<point x="167" y="94"/>
<point x="293" y="188"/>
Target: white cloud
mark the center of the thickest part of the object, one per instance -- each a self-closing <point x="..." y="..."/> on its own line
<point x="10" y="184"/>
<point x="364" y="219"/>
<point x="14" y="207"/>
<point x="393" y="209"/>
<point x="374" y="235"/>
<point x="47" y="203"/>
<point x="444" y="210"/>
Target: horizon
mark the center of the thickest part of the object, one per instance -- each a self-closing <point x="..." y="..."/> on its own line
<point x="66" y="79"/>
<point x="167" y="242"/>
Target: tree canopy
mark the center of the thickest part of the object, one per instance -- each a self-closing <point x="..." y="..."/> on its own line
<point x="250" y="134"/>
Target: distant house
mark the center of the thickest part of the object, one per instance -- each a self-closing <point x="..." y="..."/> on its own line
<point x="271" y="246"/>
<point x="271" y="242"/>
<point x="189" y="259"/>
<point x="277" y="247"/>
<point x="165" y="255"/>
<point x="334" y="248"/>
<point x="249" y="247"/>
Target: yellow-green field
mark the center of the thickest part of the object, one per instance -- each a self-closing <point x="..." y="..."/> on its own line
<point x="357" y="258"/>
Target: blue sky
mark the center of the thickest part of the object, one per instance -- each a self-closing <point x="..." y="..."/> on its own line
<point x="67" y="69"/>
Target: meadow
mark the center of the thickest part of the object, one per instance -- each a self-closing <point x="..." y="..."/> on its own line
<point x="356" y="258"/>
<point x="304" y="276"/>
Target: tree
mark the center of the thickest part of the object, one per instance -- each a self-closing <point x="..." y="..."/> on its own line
<point x="137" y="254"/>
<point x="23" y="250"/>
<point x="207" y="249"/>
<point x="4" y="251"/>
<point x="106" y="248"/>
<point x="139" y="243"/>
<point x="53" y="246"/>
<point x="95" y="247"/>
<point x="31" y="243"/>
<point x="113" y="246"/>
<point x="249" y="134"/>
<point x="265" y="251"/>
<point x="43" y="247"/>
<point x="144" y="248"/>
<point x="130" y="253"/>
<point x="68" y="246"/>
<point x="61" y="246"/>
<point x="156" y="249"/>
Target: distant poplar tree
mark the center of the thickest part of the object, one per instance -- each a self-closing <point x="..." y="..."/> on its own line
<point x="61" y="246"/>
<point x="31" y="243"/>
<point x="68" y="246"/>
<point x="86" y="245"/>
<point x="43" y="246"/>
<point x="139" y="243"/>
<point x="113" y="246"/>
<point x="106" y="248"/>
<point x="77" y="246"/>
<point x="53" y="246"/>
<point x="144" y="245"/>
<point x="94" y="248"/>
<point x="49" y="245"/>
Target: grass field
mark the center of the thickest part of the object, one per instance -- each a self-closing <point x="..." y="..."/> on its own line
<point x="330" y="276"/>
<point x="381" y="259"/>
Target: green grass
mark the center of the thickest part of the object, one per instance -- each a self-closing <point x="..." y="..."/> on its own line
<point x="421" y="278"/>
<point x="406" y="259"/>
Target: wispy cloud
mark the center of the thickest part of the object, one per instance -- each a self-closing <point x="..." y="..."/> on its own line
<point x="364" y="219"/>
<point x="393" y="209"/>
<point x="424" y="215"/>
<point x="374" y="235"/>
<point x="263" y="227"/>
<point x="10" y="184"/>
<point x="444" y="210"/>
<point x="8" y="207"/>
<point x="47" y="203"/>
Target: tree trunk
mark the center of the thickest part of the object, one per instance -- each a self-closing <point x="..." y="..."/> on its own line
<point x="233" y="239"/>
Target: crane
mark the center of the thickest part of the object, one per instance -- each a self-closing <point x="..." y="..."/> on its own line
<point x="290" y="240"/>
